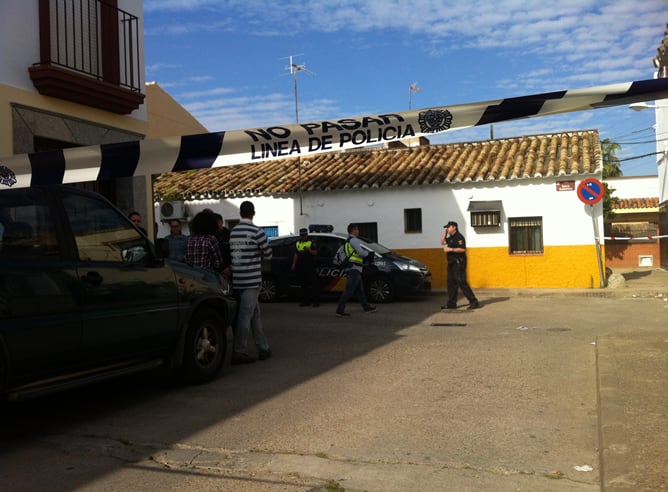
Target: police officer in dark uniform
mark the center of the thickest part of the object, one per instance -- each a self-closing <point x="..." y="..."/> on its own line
<point x="455" y="248"/>
<point x="304" y="264"/>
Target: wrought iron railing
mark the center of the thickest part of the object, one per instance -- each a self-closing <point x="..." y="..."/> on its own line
<point x="96" y="39"/>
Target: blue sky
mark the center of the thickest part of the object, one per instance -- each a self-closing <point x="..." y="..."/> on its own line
<point x="227" y="61"/>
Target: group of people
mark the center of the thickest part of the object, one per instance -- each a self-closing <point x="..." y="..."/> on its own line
<point x="304" y="265"/>
<point x="237" y="256"/>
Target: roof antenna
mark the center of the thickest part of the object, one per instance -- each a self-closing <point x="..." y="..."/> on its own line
<point x="294" y="68"/>
<point x="412" y="88"/>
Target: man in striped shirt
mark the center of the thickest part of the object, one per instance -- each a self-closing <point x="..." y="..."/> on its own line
<point x="248" y="245"/>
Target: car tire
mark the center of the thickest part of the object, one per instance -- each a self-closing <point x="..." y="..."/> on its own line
<point x="380" y="290"/>
<point x="205" y="346"/>
<point x="268" y="290"/>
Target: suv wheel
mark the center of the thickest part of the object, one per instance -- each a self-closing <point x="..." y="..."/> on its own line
<point x="205" y="346"/>
<point x="268" y="290"/>
<point x="381" y="290"/>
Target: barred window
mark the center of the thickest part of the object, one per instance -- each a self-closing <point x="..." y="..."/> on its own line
<point x="412" y="220"/>
<point x="525" y="235"/>
<point x="486" y="219"/>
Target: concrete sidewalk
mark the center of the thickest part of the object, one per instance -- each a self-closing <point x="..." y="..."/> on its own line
<point x="631" y="384"/>
<point x="639" y="282"/>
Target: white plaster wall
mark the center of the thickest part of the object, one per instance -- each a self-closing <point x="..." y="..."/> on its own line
<point x="19" y="36"/>
<point x="661" y="129"/>
<point x="566" y="220"/>
<point x="634" y="186"/>
<point x="268" y="212"/>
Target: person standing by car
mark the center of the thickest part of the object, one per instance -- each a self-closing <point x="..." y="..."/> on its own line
<point x="248" y="245"/>
<point x="176" y="241"/>
<point x="202" y="248"/>
<point x="354" y="283"/>
<point x="455" y="247"/>
<point x="223" y="236"/>
<point x="135" y="217"/>
<point x="303" y="263"/>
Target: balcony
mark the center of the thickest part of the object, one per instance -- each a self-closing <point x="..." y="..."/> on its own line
<point x="89" y="54"/>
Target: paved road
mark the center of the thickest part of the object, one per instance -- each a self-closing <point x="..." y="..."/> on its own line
<point x="505" y="398"/>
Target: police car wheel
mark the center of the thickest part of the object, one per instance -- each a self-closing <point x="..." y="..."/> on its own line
<point x="268" y="290"/>
<point x="380" y="290"/>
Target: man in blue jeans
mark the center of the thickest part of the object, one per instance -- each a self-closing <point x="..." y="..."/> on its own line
<point x="248" y="245"/>
<point x="354" y="283"/>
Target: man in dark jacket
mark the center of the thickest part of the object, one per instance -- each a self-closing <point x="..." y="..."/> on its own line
<point x="303" y="264"/>
<point x="455" y="248"/>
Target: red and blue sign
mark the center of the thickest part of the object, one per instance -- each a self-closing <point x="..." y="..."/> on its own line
<point x="591" y="191"/>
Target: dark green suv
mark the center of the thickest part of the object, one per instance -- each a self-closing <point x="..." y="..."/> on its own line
<point x="84" y="296"/>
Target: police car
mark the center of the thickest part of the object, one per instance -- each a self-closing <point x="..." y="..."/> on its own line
<point x="389" y="275"/>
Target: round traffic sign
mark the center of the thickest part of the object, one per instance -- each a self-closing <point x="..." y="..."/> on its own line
<point x="591" y="191"/>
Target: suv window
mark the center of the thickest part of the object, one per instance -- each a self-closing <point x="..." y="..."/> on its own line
<point x="26" y="227"/>
<point x="101" y="233"/>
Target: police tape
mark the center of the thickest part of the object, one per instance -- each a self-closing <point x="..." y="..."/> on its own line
<point x="634" y="238"/>
<point x="227" y="148"/>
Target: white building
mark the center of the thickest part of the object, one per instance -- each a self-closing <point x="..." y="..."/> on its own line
<point x="516" y="201"/>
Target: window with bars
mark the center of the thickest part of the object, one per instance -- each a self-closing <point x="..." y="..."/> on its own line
<point x="412" y="220"/>
<point x="486" y="219"/>
<point x="525" y="235"/>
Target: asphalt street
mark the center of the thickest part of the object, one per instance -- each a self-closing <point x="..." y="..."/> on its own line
<point x="538" y="390"/>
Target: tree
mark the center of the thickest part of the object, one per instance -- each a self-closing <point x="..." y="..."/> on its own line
<point x="611" y="169"/>
<point x="611" y="165"/>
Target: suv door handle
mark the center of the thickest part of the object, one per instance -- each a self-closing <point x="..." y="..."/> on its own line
<point x="92" y="278"/>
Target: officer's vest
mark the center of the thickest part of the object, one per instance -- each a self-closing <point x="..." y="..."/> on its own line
<point x="353" y="256"/>
<point x="303" y="246"/>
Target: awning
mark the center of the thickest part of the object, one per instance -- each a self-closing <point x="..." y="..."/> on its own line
<point x="485" y="206"/>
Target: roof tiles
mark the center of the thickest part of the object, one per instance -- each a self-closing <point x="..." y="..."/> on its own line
<point x="635" y="203"/>
<point x="532" y="156"/>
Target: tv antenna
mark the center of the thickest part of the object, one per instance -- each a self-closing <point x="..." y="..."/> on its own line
<point x="294" y="69"/>
<point x="412" y="88"/>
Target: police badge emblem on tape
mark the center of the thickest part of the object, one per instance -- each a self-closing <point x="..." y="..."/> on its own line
<point x="7" y="176"/>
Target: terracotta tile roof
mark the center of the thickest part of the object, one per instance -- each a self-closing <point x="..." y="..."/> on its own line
<point x="636" y="203"/>
<point x="532" y="156"/>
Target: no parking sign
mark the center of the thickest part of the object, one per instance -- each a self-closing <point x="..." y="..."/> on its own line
<point x="591" y="191"/>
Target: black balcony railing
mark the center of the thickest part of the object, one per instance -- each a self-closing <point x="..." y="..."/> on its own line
<point x="94" y="38"/>
<point x="89" y="54"/>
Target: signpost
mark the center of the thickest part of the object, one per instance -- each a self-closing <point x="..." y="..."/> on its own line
<point x="590" y="192"/>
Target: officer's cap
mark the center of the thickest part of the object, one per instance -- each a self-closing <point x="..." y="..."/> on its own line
<point x="303" y="231"/>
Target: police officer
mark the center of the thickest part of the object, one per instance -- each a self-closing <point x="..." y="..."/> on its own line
<point x="455" y="248"/>
<point x="303" y="263"/>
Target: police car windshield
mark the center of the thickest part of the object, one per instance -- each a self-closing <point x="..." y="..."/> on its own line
<point x="376" y="247"/>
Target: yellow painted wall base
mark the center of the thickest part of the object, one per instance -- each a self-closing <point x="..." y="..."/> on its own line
<point x="573" y="267"/>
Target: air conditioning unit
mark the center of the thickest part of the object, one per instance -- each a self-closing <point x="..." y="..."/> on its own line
<point x="173" y="210"/>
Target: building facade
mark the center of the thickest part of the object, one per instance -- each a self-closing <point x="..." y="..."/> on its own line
<point x="515" y="199"/>
<point x="631" y="235"/>
<point x="72" y="74"/>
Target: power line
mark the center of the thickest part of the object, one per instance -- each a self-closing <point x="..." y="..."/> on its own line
<point x="640" y="156"/>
